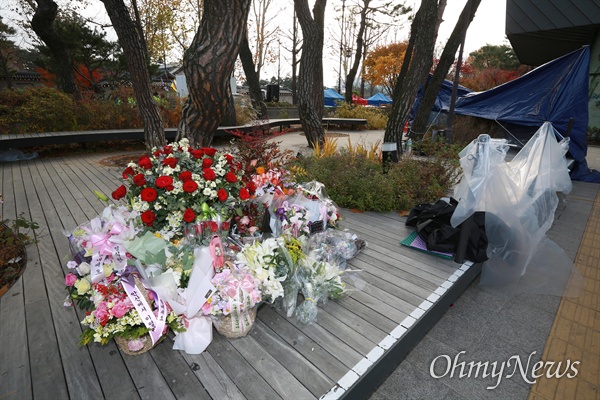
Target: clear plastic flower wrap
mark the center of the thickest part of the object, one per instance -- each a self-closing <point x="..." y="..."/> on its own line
<point x="335" y="246"/>
<point x="306" y="312"/>
<point x="319" y="281"/>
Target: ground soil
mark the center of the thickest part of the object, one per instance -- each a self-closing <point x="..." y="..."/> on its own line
<point x="10" y="271"/>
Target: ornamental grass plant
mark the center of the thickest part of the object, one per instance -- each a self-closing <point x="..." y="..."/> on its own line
<point x="355" y="178"/>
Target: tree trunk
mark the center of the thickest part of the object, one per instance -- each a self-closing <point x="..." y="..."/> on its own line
<point x="133" y="49"/>
<point x="415" y="69"/>
<point x="310" y="77"/>
<point x="252" y="78"/>
<point x="419" y="126"/>
<point x="230" y="117"/>
<point x="295" y="51"/>
<point x="359" y="48"/>
<point x="41" y="23"/>
<point x="209" y="62"/>
<point x="6" y="70"/>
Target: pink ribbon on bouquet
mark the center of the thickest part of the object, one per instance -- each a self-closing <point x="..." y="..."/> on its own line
<point x="155" y="324"/>
<point x="216" y="251"/>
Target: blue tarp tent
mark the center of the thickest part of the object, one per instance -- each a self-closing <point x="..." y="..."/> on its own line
<point x="555" y="92"/>
<point x="379" y="99"/>
<point x="442" y="102"/>
<point x="331" y="96"/>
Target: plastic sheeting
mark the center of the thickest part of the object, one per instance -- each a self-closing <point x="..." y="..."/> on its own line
<point x="519" y="199"/>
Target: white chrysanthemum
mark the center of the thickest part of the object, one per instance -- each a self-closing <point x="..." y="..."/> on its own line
<point x="207" y="191"/>
<point x="197" y="177"/>
<point x="213" y="184"/>
<point x="132" y="165"/>
<point x="168" y="170"/>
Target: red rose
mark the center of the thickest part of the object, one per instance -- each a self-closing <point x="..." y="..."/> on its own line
<point x="198" y="153"/>
<point x="149" y="194"/>
<point x="212" y="225"/>
<point x="230" y="177"/>
<point x="225" y="226"/>
<point x="190" y="186"/>
<point x="189" y="215"/>
<point x="119" y="192"/>
<point x="139" y="180"/>
<point x="145" y="162"/>
<point x="244" y="194"/>
<point x="148" y="217"/>
<point x="209" y="174"/>
<point x="251" y="186"/>
<point x="170" y="162"/>
<point x="229" y="158"/>
<point x="209" y="151"/>
<point x="168" y="149"/>
<point x="185" y="176"/>
<point x="207" y="162"/>
<point x="128" y="172"/>
<point x="157" y="153"/>
<point x="222" y="194"/>
<point x="169" y="188"/>
<point x="163" y="181"/>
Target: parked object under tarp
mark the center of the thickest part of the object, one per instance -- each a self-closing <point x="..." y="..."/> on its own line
<point x="519" y="199"/>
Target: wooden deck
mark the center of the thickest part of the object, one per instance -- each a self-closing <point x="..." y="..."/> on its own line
<point x="12" y="140"/>
<point x="355" y="343"/>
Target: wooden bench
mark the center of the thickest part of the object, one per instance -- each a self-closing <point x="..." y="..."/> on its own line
<point x="8" y="141"/>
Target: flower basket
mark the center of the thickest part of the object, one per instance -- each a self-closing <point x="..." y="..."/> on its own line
<point x="226" y="325"/>
<point x="134" y="347"/>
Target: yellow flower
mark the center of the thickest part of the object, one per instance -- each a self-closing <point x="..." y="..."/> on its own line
<point x="157" y="235"/>
<point x="82" y="286"/>
<point x="260" y="170"/>
<point x="107" y="269"/>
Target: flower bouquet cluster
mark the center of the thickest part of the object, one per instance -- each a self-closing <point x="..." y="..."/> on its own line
<point x="178" y="185"/>
<point x="102" y="281"/>
<point x="162" y="261"/>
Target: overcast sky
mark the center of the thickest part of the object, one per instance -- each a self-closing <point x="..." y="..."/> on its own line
<point x="487" y="28"/>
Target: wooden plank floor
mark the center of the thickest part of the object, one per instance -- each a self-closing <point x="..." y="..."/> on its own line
<point x="395" y="297"/>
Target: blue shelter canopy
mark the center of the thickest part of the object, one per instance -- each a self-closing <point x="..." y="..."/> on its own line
<point x="379" y="99"/>
<point x="331" y="96"/>
<point x="556" y="91"/>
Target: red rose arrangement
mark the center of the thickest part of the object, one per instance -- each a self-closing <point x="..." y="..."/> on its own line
<point x="178" y="185"/>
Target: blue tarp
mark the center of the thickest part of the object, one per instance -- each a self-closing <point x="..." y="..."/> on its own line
<point x="442" y="101"/>
<point x="379" y="99"/>
<point x="555" y="92"/>
<point x="331" y="96"/>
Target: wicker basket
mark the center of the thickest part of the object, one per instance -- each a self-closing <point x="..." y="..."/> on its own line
<point x="223" y="324"/>
<point x="132" y="346"/>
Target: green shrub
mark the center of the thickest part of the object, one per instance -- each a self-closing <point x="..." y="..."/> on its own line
<point x="354" y="180"/>
<point x="376" y="118"/>
<point x="36" y="109"/>
<point x="44" y="109"/>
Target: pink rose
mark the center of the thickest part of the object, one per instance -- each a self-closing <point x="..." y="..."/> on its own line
<point x="119" y="309"/>
<point x="70" y="279"/>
